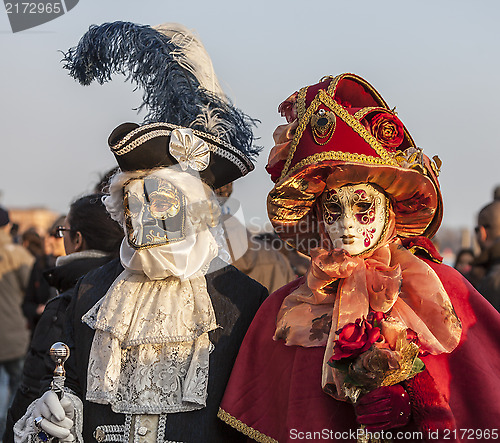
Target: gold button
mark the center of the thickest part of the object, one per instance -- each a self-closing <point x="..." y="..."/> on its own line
<point x="99" y="435"/>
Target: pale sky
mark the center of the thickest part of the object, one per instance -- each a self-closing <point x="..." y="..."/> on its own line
<point x="437" y="61"/>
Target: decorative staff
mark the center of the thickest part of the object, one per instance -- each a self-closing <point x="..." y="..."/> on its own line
<point x="59" y="352"/>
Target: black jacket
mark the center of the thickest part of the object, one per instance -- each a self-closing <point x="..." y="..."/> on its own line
<point x="38" y="365"/>
<point x="235" y="298"/>
<point x="39" y="291"/>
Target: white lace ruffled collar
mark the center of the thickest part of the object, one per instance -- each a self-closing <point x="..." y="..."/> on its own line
<point x="150" y="353"/>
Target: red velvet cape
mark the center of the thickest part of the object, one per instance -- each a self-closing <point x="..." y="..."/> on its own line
<point x="274" y="393"/>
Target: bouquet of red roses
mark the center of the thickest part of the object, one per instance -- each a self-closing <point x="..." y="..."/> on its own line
<point x="374" y="352"/>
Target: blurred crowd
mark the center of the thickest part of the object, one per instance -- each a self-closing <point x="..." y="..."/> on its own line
<point x="481" y="264"/>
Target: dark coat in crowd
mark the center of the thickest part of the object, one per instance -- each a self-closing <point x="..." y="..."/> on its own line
<point x="489" y="285"/>
<point x="39" y="291"/>
<point x="38" y="364"/>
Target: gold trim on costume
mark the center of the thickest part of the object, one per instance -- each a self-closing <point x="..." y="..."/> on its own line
<point x="323" y="131"/>
<point x="337" y="155"/>
<point x="411" y="158"/>
<point x="243" y="428"/>
<point x="364" y="111"/>
<point x="436" y="164"/>
<point x="301" y="102"/>
<point x="332" y="87"/>
<point x="405" y="371"/>
<point x="414" y="249"/>
<point x="303" y="122"/>
<point x="357" y="126"/>
<point x="323" y="97"/>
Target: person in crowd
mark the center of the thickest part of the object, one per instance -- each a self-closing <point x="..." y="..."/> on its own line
<point x="496" y="193"/>
<point x="464" y="263"/>
<point x="15" y="265"/>
<point x="153" y="335"/>
<point x="379" y="339"/>
<point x="91" y="239"/>
<point x="103" y="184"/>
<point x="14" y="233"/>
<point x="488" y="238"/>
<point x="298" y="261"/>
<point x="253" y="256"/>
<point x="39" y="291"/>
<point x="33" y="242"/>
<point x="464" y="260"/>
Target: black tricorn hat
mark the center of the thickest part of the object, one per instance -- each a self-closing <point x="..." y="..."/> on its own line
<point x="157" y="145"/>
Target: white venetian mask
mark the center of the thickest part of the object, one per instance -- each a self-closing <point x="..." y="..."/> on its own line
<point x="355" y="217"/>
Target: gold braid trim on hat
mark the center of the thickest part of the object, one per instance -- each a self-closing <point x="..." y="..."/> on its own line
<point x="358" y="127"/>
<point x="337" y="155"/>
<point x="303" y="122"/>
<point x="301" y="102"/>
<point x="243" y="428"/>
<point x="304" y="119"/>
<point x="364" y="111"/>
<point x="120" y="148"/>
<point x="332" y="87"/>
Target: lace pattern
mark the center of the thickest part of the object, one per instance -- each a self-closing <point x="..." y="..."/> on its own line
<point x="150" y="352"/>
<point x="137" y="310"/>
<point x="150" y="378"/>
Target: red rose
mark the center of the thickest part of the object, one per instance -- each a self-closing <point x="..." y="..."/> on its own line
<point x="387" y="129"/>
<point x="354" y="339"/>
<point x="375" y="318"/>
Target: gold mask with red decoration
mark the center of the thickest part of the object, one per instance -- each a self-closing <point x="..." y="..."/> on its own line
<point x="341" y="131"/>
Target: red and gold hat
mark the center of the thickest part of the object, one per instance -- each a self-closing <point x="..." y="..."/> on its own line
<point x="341" y="131"/>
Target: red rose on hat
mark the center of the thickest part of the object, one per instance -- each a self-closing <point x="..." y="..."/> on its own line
<point x="387" y="129"/>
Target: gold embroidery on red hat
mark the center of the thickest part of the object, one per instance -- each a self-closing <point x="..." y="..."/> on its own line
<point x="357" y="126"/>
<point x="323" y="126"/>
<point x="301" y="102"/>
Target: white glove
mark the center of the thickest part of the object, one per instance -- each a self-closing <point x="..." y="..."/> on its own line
<point x="57" y="416"/>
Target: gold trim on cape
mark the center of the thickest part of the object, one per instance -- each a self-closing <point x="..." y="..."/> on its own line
<point x="243" y="428"/>
<point x="415" y="248"/>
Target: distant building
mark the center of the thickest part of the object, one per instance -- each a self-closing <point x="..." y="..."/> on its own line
<point x="39" y="218"/>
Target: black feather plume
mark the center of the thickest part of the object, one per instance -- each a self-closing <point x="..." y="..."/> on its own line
<point x="172" y="93"/>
